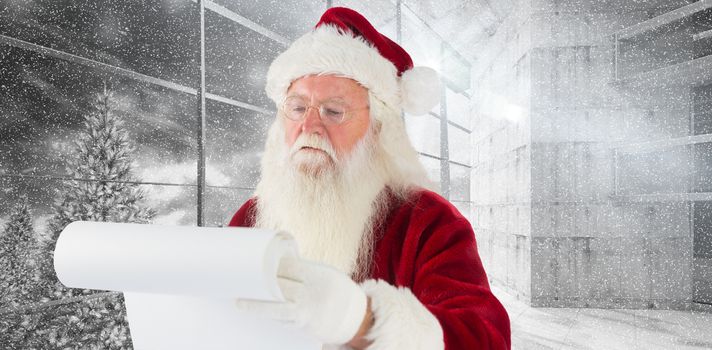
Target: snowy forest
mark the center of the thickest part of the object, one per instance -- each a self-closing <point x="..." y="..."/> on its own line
<point x="102" y="161"/>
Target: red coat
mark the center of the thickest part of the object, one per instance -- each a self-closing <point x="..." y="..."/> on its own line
<point x="427" y="246"/>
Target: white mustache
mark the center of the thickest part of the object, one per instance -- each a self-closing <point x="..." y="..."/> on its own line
<point x="313" y="141"/>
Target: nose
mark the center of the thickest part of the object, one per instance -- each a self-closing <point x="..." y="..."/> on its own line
<point x="312" y="122"/>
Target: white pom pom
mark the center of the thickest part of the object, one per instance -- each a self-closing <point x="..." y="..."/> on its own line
<point x="420" y="90"/>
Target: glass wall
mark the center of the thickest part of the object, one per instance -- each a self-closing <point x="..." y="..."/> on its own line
<point x="129" y="71"/>
<point x="444" y="135"/>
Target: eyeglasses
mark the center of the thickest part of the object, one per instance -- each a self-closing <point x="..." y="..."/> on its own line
<point x="331" y="112"/>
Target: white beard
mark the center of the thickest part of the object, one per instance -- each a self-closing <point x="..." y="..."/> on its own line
<point x="326" y="203"/>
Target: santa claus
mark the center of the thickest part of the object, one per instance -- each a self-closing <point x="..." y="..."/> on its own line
<point x="385" y="263"/>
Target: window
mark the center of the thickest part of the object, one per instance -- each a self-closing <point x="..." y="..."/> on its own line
<point x="48" y="98"/>
<point x="442" y="136"/>
<point x="424" y="133"/>
<point x="154" y="38"/>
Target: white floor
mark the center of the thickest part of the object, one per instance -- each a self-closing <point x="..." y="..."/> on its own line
<point x="559" y="328"/>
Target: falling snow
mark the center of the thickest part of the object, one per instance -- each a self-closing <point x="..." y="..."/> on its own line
<point x="575" y="135"/>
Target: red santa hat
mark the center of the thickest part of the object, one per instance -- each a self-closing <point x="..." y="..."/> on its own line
<point x="344" y="43"/>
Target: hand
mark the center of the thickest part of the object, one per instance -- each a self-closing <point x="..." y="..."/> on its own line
<point x="320" y="300"/>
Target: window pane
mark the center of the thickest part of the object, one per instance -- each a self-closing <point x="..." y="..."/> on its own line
<point x="421" y="43"/>
<point x="432" y="166"/>
<point x="424" y="133"/>
<point x="459" y="183"/>
<point x="458" y="109"/>
<point x="237" y="59"/>
<point x="702" y="253"/>
<point x="235" y="140"/>
<point x="464" y="208"/>
<point x="459" y="147"/>
<point x="222" y="203"/>
<point x="45" y="101"/>
<point x="156" y="38"/>
<point x="703" y="230"/>
<point x="702" y="175"/>
<point x="290" y="18"/>
<point x="702" y="109"/>
<point x="174" y="205"/>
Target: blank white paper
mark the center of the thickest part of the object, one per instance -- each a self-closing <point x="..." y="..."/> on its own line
<point x="180" y="283"/>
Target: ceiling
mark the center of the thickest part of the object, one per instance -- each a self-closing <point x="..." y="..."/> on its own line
<point x="467" y="24"/>
<point x="463" y="24"/>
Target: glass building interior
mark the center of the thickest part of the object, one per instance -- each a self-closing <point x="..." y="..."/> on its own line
<point x="575" y="136"/>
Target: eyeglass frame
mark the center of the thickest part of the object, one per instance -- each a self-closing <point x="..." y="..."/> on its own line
<point x="319" y="108"/>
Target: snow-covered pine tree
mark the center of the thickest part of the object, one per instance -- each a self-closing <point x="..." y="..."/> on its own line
<point x="17" y="255"/>
<point x="102" y="158"/>
<point x="103" y="189"/>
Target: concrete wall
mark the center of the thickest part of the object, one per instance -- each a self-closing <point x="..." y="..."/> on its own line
<point x="554" y="230"/>
<point x="501" y="177"/>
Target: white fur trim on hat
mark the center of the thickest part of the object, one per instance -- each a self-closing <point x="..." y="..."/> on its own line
<point x="400" y="319"/>
<point x="326" y="50"/>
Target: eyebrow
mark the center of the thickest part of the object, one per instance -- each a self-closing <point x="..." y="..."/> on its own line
<point x="337" y="98"/>
<point x="296" y="95"/>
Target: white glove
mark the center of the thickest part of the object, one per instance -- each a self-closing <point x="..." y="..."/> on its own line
<point x="321" y="300"/>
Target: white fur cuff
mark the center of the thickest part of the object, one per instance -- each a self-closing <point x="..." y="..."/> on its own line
<point x="401" y="320"/>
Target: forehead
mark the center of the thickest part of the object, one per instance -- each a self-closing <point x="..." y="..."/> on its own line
<point x="327" y="86"/>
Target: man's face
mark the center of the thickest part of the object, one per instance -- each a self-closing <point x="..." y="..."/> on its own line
<point x="319" y="162"/>
<point x="315" y="90"/>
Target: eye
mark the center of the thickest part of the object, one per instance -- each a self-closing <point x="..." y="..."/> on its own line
<point x="295" y="106"/>
<point x="334" y="115"/>
<point x="333" y="112"/>
<point x="333" y="108"/>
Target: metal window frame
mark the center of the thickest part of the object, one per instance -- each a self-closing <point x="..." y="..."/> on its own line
<point x="152" y="183"/>
<point x="444" y="145"/>
<point x="399" y="22"/>
<point x="458" y="126"/>
<point x="201" y="117"/>
<point x="429" y="155"/>
<point x="460" y="164"/>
